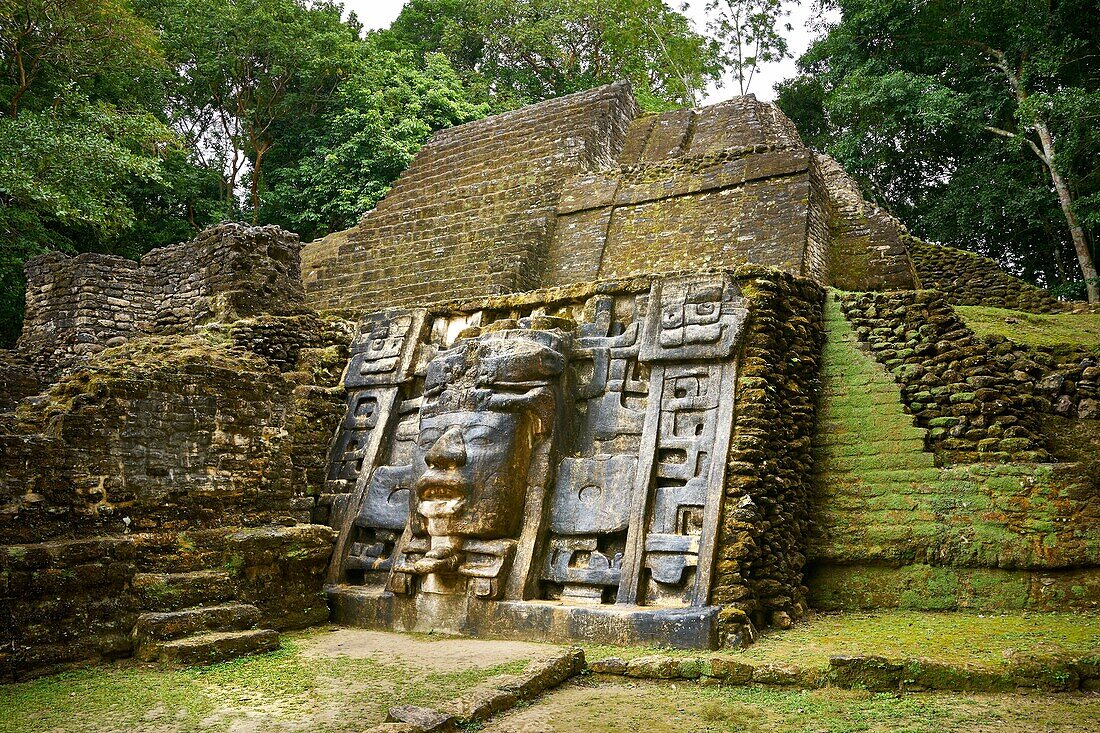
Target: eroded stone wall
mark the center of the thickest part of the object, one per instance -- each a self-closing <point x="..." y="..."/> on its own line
<point x="473" y="212"/>
<point x="78" y="306"/>
<point x="166" y="456"/>
<point x="176" y="457"/>
<point x="867" y="245"/>
<point x="768" y="475"/>
<point x="969" y="279"/>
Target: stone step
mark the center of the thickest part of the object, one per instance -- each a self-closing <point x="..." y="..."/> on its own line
<point x="162" y="626"/>
<point x="175" y="591"/>
<point x="217" y="646"/>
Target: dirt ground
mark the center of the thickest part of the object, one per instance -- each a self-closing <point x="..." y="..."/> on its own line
<point x="336" y="679"/>
<point x="429" y="653"/>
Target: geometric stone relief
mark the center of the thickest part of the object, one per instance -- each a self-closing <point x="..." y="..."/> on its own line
<point x="570" y="453"/>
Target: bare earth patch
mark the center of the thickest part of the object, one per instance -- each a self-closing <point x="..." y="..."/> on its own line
<point x="419" y="652"/>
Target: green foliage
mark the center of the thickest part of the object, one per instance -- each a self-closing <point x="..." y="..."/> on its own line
<point x="378" y="119"/>
<point x="751" y="32"/>
<point x="514" y="52"/>
<point x="81" y="144"/>
<point x="245" y="70"/>
<point x="936" y="109"/>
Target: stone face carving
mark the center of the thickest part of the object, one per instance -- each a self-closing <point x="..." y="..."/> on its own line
<point x="526" y="458"/>
<point x="489" y="411"/>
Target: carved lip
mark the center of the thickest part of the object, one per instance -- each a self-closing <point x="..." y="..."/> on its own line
<point x="440" y="487"/>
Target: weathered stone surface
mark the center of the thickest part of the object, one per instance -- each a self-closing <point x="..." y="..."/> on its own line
<point x="654" y="667"/>
<point x="731" y="671"/>
<point x="173" y="591"/>
<point x="868" y="672"/>
<point x="423" y="719"/>
<point x="502" y="205"/>
<point x="965" y="278"/>
<point x="218" y="646"/>
<point x="164" y="625"/>
<point x="608" y="665"/>
<point x="77" y="306"/>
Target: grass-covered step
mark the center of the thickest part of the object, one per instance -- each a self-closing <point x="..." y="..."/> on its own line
<point x="896" y="650"/>
<point x="161" y="626"/>
<point x="173" y="591"/>
<point x="217" y="646"/>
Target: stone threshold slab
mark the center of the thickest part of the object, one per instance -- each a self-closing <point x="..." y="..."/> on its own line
<point x="548" y="621"/>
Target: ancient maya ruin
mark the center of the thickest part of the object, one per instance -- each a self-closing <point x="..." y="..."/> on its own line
<point x="585" y="374"/>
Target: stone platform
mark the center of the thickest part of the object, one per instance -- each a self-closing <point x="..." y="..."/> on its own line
<point x="548" y="621"/>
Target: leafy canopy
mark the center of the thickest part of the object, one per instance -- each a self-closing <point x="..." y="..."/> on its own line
<point x="939" y="108"/>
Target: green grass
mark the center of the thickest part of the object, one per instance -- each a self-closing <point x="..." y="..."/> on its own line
<point x="1061" y="332"/>
<point x="982" y="639"/>
<point x="953" y="638"/>
<point x="626" y="707"/>
<point x="278" y="691"/>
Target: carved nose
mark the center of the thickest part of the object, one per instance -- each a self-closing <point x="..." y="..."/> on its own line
<point x="449" y="451"/>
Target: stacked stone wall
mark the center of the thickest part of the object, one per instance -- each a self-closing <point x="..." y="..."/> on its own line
<point x="166" y="433"/>
<point x="78" y="306"/>
<point x="768" y="475"/>
<point x="18" y="379"/>
<point x="579" y="189"/>
<point x="168" y="455"/>
<point x="472" y="214"/>
<point x="867" y="245"/>
<point x="72" y="603"/>
<point x="966" y="395"/>
<point x="969" y="279"/>
<point x="173" y="464"/>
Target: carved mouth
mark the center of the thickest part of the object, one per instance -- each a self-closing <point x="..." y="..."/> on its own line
<point x="440" y="488"/>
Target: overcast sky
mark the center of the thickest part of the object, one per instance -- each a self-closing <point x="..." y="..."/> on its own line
<point x="380" y="13"/>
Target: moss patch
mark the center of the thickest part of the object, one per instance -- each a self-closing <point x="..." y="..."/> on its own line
<point x="949" y="638"/>
<point x="1058" y="332"/>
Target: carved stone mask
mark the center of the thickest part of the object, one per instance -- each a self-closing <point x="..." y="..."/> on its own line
<point x="471" y="472"/>
<point x="489" y="402"/>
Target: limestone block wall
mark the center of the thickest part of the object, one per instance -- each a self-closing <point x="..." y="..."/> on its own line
<point x="578" y="189"/>
<point x="164" y="434"/>
<point x="167" y="455"/>
<point x="72" y="603"/>
<point x="736" y="207"/>
<point x="77" y="306"/>
<point x="472" y="214"/>
<point x="895" y="524"/>
<point x="18" y="379"/>
<point x="868" y="246"/>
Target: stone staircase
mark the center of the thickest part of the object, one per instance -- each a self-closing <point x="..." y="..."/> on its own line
<point x="192" y="618"/>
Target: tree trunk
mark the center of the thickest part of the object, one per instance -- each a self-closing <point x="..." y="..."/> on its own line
<point x="260" y="150"/>
<point x="1076" y="231"/>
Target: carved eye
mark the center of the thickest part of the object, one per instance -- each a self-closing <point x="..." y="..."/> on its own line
<point x="480" y="440"/>
<point x="427" y="440"/>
